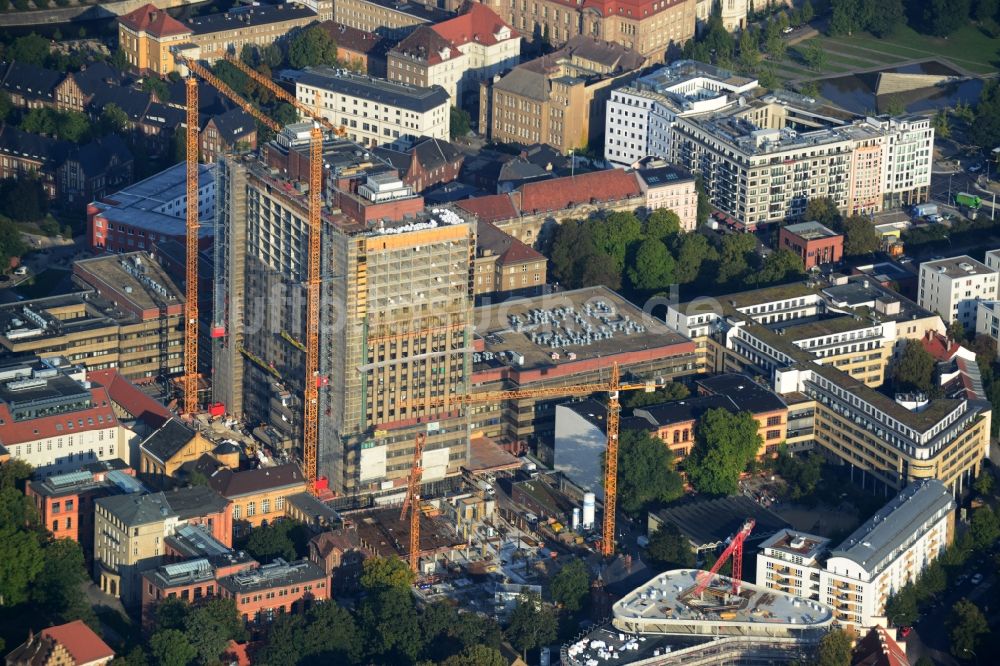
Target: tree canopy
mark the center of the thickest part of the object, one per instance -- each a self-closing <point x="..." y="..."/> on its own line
<point x="669" y="549"/>
<point x="532" y="625"/>
<point x="571" y="585"/>
<point x="914" y="370"/>
<point x="386" y="572"/>
<point x="666" y="393"/>
<point x="310" y="47"/>
<point x="646" y="473"/>
<point x="966" y="628"/>
<point x="860" y="236"/>
<point x="725" y="444"/>
<point x="834" y="649"/>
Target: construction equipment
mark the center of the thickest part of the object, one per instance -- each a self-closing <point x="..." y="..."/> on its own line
<point x="412" y="502"/>
<point x="735" y="548"/>
<point x="190" y="398"/>
<point x="612" y="387"/>
<point x="281" y="93"/>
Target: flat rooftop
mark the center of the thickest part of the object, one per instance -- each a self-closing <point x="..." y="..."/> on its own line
<point x="662" y="602"/>
<point x="578" y="325"/>
<point x="895" y="524"/>
<point x="746" y="299"/>
<point x="811" y="230"/>
<point x="860" y="292"/>
<point x="158" y="202"/>
<point x="382" y="532"/>
<point x="708" y="522"/>
<point x="57" y="316"/>
<point x="135" y="277"/>
<point x="391" y="93"/>
<point x="957" y="267"/>
<point x="800" y="544"/>
<point x="278" y="573"/>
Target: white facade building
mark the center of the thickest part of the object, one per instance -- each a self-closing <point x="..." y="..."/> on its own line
<point x="374" y="111"/>
<point x="988" y="321"/>
<point x="954" y="287"/>
<point x="54" y="420"/>
<point x="639" y="116"/>
<point x="880" y="557"/>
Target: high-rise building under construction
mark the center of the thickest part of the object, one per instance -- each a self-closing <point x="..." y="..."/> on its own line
<point x="395" y="325"/>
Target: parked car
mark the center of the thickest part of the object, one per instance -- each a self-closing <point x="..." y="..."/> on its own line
<point x="977" y="579"/>
<point x="905" y="631"/>
<point x="788" y="30"/>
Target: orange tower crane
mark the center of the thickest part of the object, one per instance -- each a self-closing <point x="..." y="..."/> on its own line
<point x="412" y="502"/>
<point x="190" y="398"/>
<point x="612" y="387"/>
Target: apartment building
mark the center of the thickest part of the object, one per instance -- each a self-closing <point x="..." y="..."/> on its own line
<point x="505" y="264"/>
<point x="988" y="320"/>
<point x="557" y="99"/>
<point x="827" y="349"/>
<point x="457" y="54"/>
<point x="65" y="502"/>
<point x="389" y="19"/>
<point x="401" y="311"/>
<point x="148" y="35"/>
<point x="955" y="286"/>
<point x="374" y="111"/>
<point x="640" y="115"/>
<point x="258" y="496"/>
<point x="650" y="27"/>
<point x="54" y="420"/>
<point x="857" y="577"/>
<point x="671" y="188"/>
<point x="814" y="243"/>
<point x="130" y="533"/>
<point x="152" y="210"/>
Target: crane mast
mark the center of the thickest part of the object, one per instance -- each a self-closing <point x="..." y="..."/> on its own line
<point x="190" y="398"/>
<point x="412" y="502"/>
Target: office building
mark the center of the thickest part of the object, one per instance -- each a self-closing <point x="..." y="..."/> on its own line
<point x="130" y="533"/>
<point x="389" y="19"/>
<point x="814" y="243"/>
<point x="152" y="210"/>
<point x="148" y="35"/>
<point x="640" y="115"/>
<point x="457" y="54"/>
<point x="53" y="419"/>
<point x="651" y="28"/>
<point x="955" y="286"/>
<point x="557" y="99"/>
<point x="562" y="339"/>
<point x="374" y="111"/>
<point x="826" y="350"/>
<point x="262" y="594"/>
<point x="399" y="309"/>
<point x="857" y="577"/>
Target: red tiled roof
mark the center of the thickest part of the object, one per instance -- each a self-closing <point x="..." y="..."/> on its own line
<point x="562" y="193"/>
<point x="633" y="8"/>
<point x="19" y="432"/>
<point x="351" y="39"/>
<point x="939" y="346"/>
<point x="154" y="21"/>
<point x="493" y="208"/>
<point x="477" y="23"/>
<point x="80" y="641"/>
<point x="427" y="45"/>
<point x="878" y="648"/>
<point x="130" y="398"/>
<point x="509" y="249"/>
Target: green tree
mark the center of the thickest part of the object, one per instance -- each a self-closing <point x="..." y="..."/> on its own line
<point x="332" y="635"/>
<point x="667" y="393"/>
<point x="386" y="572"/>
<point x="834" y="649"/>
<point x="956" y="331"/>
<point x="40" y="121"/>
<point x="113" y="119"/>
<point x="901" y="607"/>
<point x="966" y="628"/>
<point x="460" y="123"/>
<point x="171" y="613"/>
<point x="531" y="625"/>
<point x="780" y="266"/>
<point x="984" y="527"/>
<point x="170" y="647"/>
<point x="932" y="581"/>
<point x="662" y="223"/>
<point x="985" y="10"/>
<point x="860" y="236"/>
<point x="669" y="549"/>
<point x="476" y="655"/>
<point x="914" y="371"/>
<point x="823" y="210"/>
<point x="23" y="199"/>
<point x="652" y="268"/>
<point x="391" y="621"/>
<point x="119" y="60"/>
<point x="272" y="56"/>
<point x="984" y="484"/>
<point x="210" y="627"/>
<point x="646" y="472"/>
<point x="942" y="127"/>
<point x="311" y="47"/>
<point x="268" y="543"/>
<point x="807" y="13"/>
<point x="58" y="590"/>
<point x="725" y="444"/>
<point x="815" y="55"/>
<point x="157" y="87"/>
<point x="31" y="49"/>
<point x="943" y="17"/>
<point x="21" y="558"/>
<point x="73" y="126"/>
<point x="704" y="203"/>
<point x="5" y="106"/>
<point x="801" y="475"/>
<point x="614" y="234"/>
<point x="15" y="473"/>
<point x="984" y="131"/>
<point x="285" y="114"/>
<point x="571" y="585"/>
<point x="733" y="261"/>
<point x="692" y="251"/>
<point x="749" y="51"/>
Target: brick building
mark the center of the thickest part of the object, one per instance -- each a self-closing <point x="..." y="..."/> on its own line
<point x="232" y="131"/>
<point x="258" y="496"/>
<point x="29" y="86"/>
<point x="426" y="163"/>
<point x="357" y="49"/>
<point x="505" y="264"/>
<point x="813" y="242"/>
<point x="265" y="592"/>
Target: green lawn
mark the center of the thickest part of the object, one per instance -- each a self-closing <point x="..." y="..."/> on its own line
<point x="967" y="47"/>
<point x="42" y="284"/>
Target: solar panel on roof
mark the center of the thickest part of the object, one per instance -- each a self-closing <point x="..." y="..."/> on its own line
<point x="63" y="480"/>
